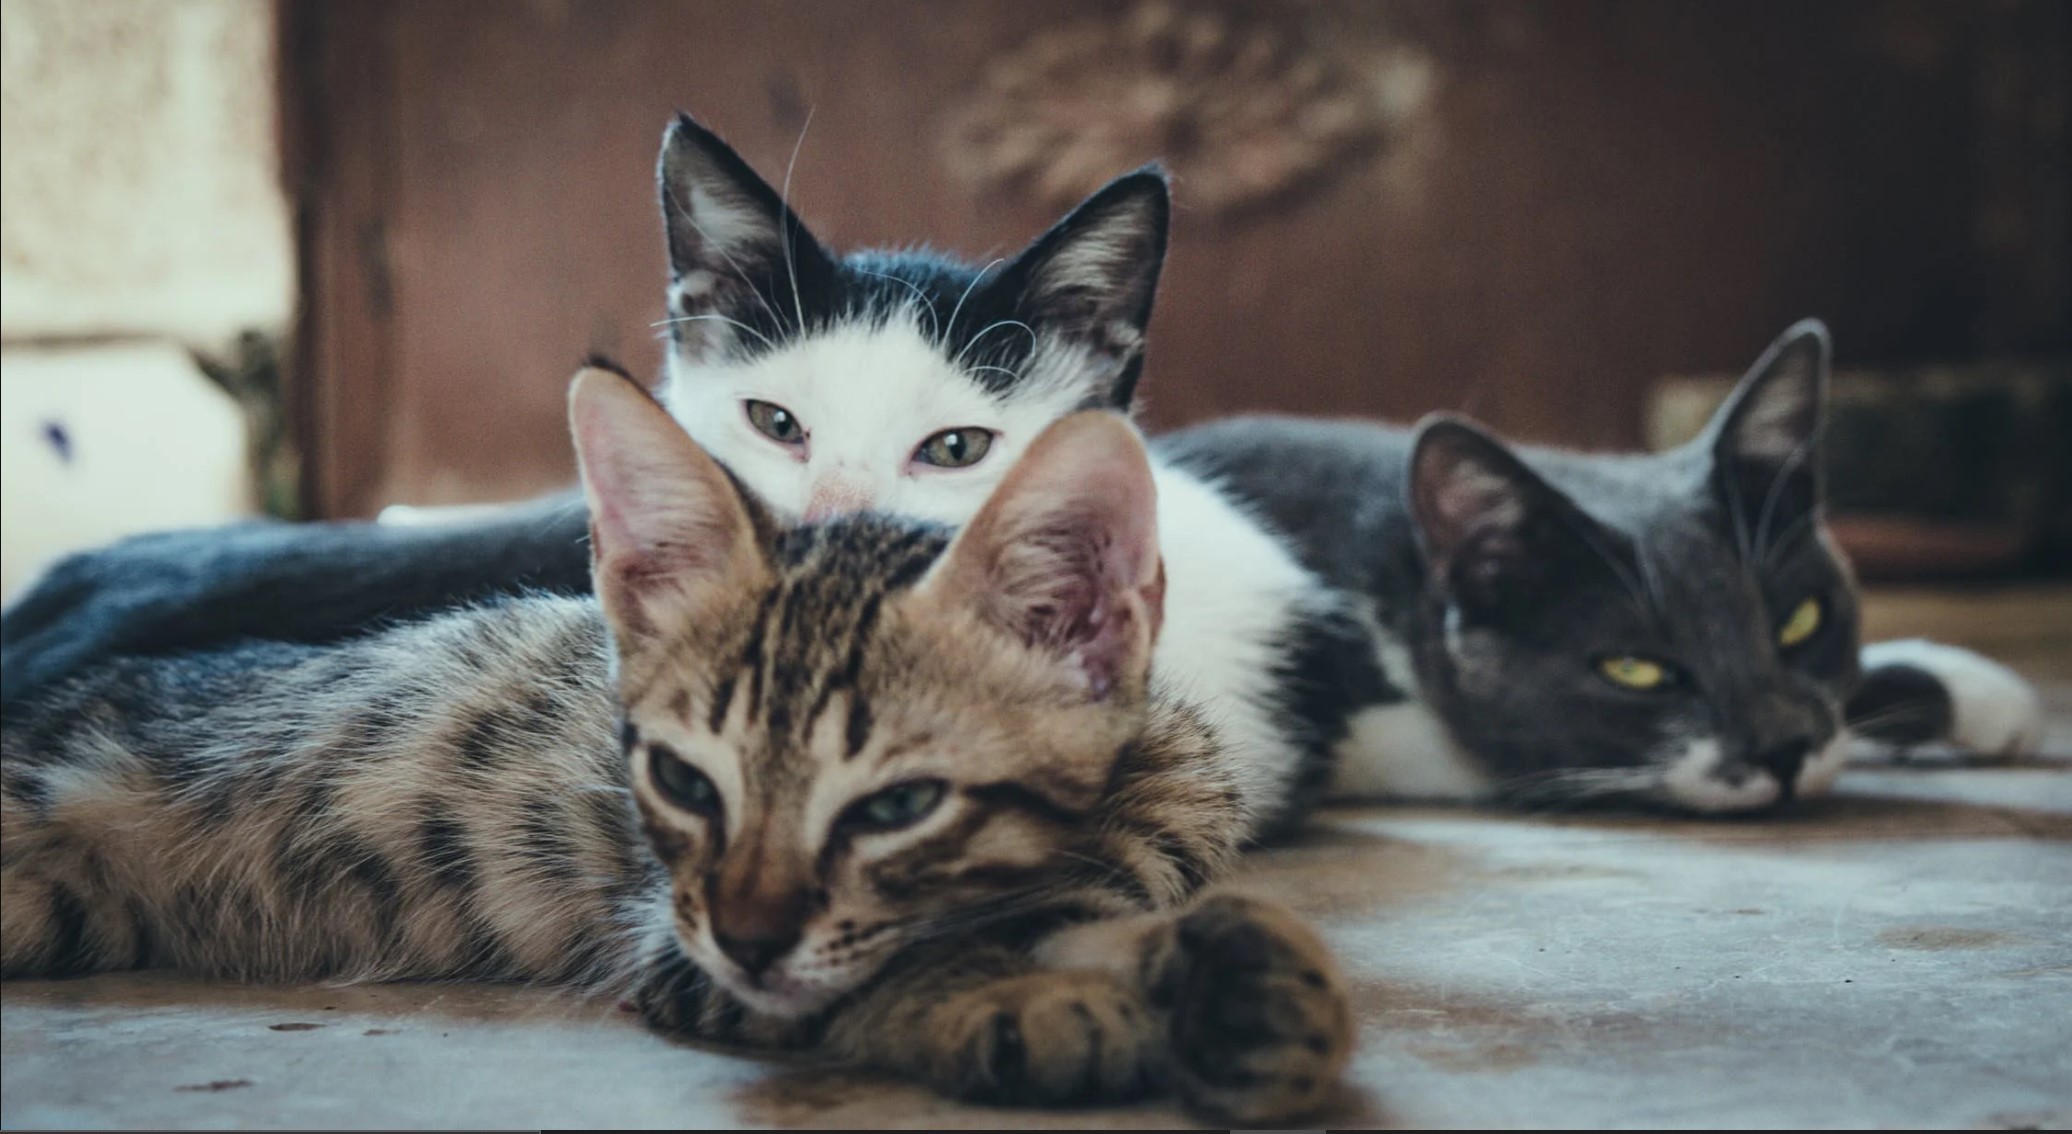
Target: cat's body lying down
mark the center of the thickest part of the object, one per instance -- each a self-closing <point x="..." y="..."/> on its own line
<point x="912" y="801"/>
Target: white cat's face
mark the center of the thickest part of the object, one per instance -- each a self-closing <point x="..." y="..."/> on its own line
<point x="870" y="415"/>
<point x="903" y="382"/>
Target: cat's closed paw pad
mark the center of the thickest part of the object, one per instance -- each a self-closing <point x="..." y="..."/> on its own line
<point x="1052" y="1038"/>
<point x="1260" y="1025"/>
<point x="1994" y="711"/>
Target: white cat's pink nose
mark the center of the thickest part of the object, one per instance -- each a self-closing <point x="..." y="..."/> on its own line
<point x="836" y="496"/>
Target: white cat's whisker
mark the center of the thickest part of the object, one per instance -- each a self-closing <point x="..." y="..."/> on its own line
<point x="786" y="221"/>
<point x="921" y="299"/>
<point x="988" y="329"/>
<point x="947" y="328"/>
<point x="684" y="212"/>
<point x="721" y="318"/>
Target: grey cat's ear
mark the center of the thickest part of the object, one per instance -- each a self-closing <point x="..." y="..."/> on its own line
<point x="735" y="248"/>
<point x="1064" y="555"/>
<point x="1489" y="526"/>
<point x="1093" y="276"/>
<point x="1775" y="413"/>
<point x="668" y="525"/>
<point x="1765" y="440"/>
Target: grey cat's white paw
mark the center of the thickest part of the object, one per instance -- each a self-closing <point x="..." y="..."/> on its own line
<point x="1994" y="710"/>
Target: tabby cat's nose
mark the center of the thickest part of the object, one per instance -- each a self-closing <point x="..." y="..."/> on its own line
<point x="754" y="954"/>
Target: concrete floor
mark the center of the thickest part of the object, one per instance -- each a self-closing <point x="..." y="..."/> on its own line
<point x="1899" y="955"/>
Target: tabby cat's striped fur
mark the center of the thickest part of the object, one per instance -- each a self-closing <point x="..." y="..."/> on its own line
<point x="854" y="785"/>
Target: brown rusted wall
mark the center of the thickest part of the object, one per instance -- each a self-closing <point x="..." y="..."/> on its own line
<point x="1527" y="211"/>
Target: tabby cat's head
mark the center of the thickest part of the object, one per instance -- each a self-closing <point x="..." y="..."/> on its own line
<point x="893" y="381"/>
<point x="1676" y="626"/>
<point x="846" y="735"/>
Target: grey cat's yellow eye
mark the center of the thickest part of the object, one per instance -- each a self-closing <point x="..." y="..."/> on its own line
<point x="1803" y="624"/>
<point x="901" y="805"/>
<point x="1634" y="673"/>
<point x="681" y="784"/>
<point x="955" y="448"/>
<point x="776" y="423"/>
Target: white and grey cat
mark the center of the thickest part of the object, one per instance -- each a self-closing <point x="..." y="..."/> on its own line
<point x="905" y="383"/>
<point x="899" y="382"/>
<point x="1553" y="626"/>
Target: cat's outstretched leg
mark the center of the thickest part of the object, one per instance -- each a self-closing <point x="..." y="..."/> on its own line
<point x="1915" y="691"/>
<point x="1256" y="1019"/>
<point x="1234" y="1003"/>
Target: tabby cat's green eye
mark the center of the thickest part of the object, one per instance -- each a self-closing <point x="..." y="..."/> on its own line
<point x="683" y="785"/>
<point x="1634" y="673"/>
<point x="1803" y="624"/>
<point x="901" y="805"/>
<point x="955" y="448"/>
<point x="776" y="423"/>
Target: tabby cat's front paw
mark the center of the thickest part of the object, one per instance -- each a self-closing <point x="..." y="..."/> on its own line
<point x="1260" y="1026"/>
<point x="1049" y="1038"/>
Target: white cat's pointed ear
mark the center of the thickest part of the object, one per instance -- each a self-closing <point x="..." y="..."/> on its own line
<point x="1064" y="555"/>
<point x="1765" y="441"/>
<point x="735" y="248"/>
<point x="1489" y="526"/>
<point x="1092" y="277"/>
<point x="668" y="525"/>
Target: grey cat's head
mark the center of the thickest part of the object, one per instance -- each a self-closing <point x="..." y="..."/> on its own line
<point x="904" y="382"/>
<point x="1675" y="627"/>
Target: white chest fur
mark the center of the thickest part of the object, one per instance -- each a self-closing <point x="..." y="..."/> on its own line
<point x="1230" y="593"/>
<point x="1402" y="751"/>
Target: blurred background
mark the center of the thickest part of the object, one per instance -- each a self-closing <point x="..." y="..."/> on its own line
<point x="310" y="259"/>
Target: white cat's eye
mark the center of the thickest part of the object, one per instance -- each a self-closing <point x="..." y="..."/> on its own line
<point x="901" y="805"/>
<point x="775" y="422"/>
<point x="681" y="784"/>
<point x="1803" y="624"/>
<point x="1628" y="672"/>
<point x="955" y="448"/>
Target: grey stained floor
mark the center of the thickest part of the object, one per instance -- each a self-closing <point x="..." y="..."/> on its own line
<point x="1899" y="955"/>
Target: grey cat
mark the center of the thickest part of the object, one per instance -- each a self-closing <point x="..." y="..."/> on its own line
<point x="1553" y="626"/>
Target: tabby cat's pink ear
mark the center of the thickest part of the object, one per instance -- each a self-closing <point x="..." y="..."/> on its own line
<point x="1064" y="554"/>
<point x="667" y="523"/>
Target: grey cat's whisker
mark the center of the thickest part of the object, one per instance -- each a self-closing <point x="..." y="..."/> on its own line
<point x="1576" y="786"/>
<point x="1651" y="582"/>
<point x="1799" y="456"/>
<point x="1012" y="375"/>
<point x="1744" y="543"/>
<point x="1788" y="535"/>
<point x="1595" y="543"/>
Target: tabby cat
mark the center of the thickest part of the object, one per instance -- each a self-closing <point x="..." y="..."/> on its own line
<point x="1552" y="626"/>
<point x="910" y="799"/>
